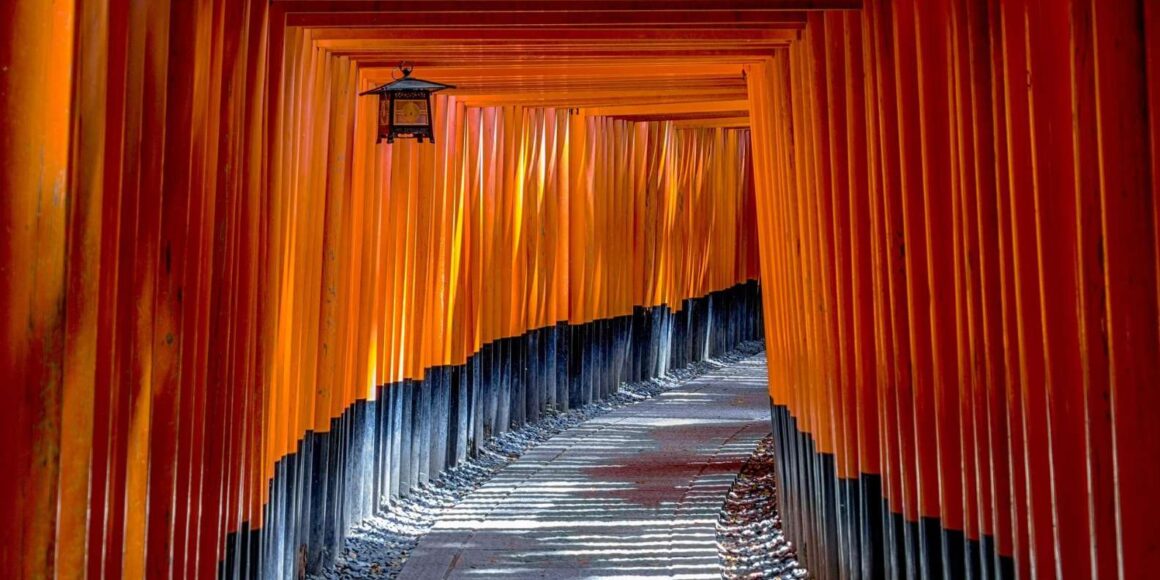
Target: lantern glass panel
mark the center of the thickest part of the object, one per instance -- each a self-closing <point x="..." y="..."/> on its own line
<point x="384" y="111"/>
<point x="411" y="112"/>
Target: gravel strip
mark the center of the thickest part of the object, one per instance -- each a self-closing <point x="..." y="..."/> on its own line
<point x="378" y="547"/>
<point x="750" y="543"/>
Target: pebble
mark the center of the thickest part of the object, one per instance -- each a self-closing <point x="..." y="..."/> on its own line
<point x="750" y="542"/>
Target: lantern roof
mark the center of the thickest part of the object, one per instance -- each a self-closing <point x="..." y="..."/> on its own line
<point x="407" y="83"/>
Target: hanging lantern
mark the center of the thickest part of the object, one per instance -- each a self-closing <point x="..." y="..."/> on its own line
<point x="405" y="108"/>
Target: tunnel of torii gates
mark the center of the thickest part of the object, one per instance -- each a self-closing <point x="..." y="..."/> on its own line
<point x="234" y="324"/>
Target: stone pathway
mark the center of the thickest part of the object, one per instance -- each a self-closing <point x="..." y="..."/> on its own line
<point x="633" y="493"/>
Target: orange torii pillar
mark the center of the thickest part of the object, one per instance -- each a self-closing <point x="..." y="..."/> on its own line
<point x="958" y="231"/>
<point x="234" y="325"/>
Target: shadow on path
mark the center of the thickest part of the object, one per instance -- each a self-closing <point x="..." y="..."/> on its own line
<point x="632" y="493"/>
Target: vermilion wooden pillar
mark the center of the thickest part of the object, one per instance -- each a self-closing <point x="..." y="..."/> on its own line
<point x="997" y="178"/>
<point x="216" y="285"/>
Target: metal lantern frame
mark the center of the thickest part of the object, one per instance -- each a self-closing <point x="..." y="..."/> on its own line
<point x="403" y="90"/>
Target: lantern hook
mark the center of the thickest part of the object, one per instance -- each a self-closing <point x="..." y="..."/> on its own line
<point x="405" y="67"/>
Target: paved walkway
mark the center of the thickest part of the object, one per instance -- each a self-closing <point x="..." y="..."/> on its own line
<point x="633" y="493"/>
